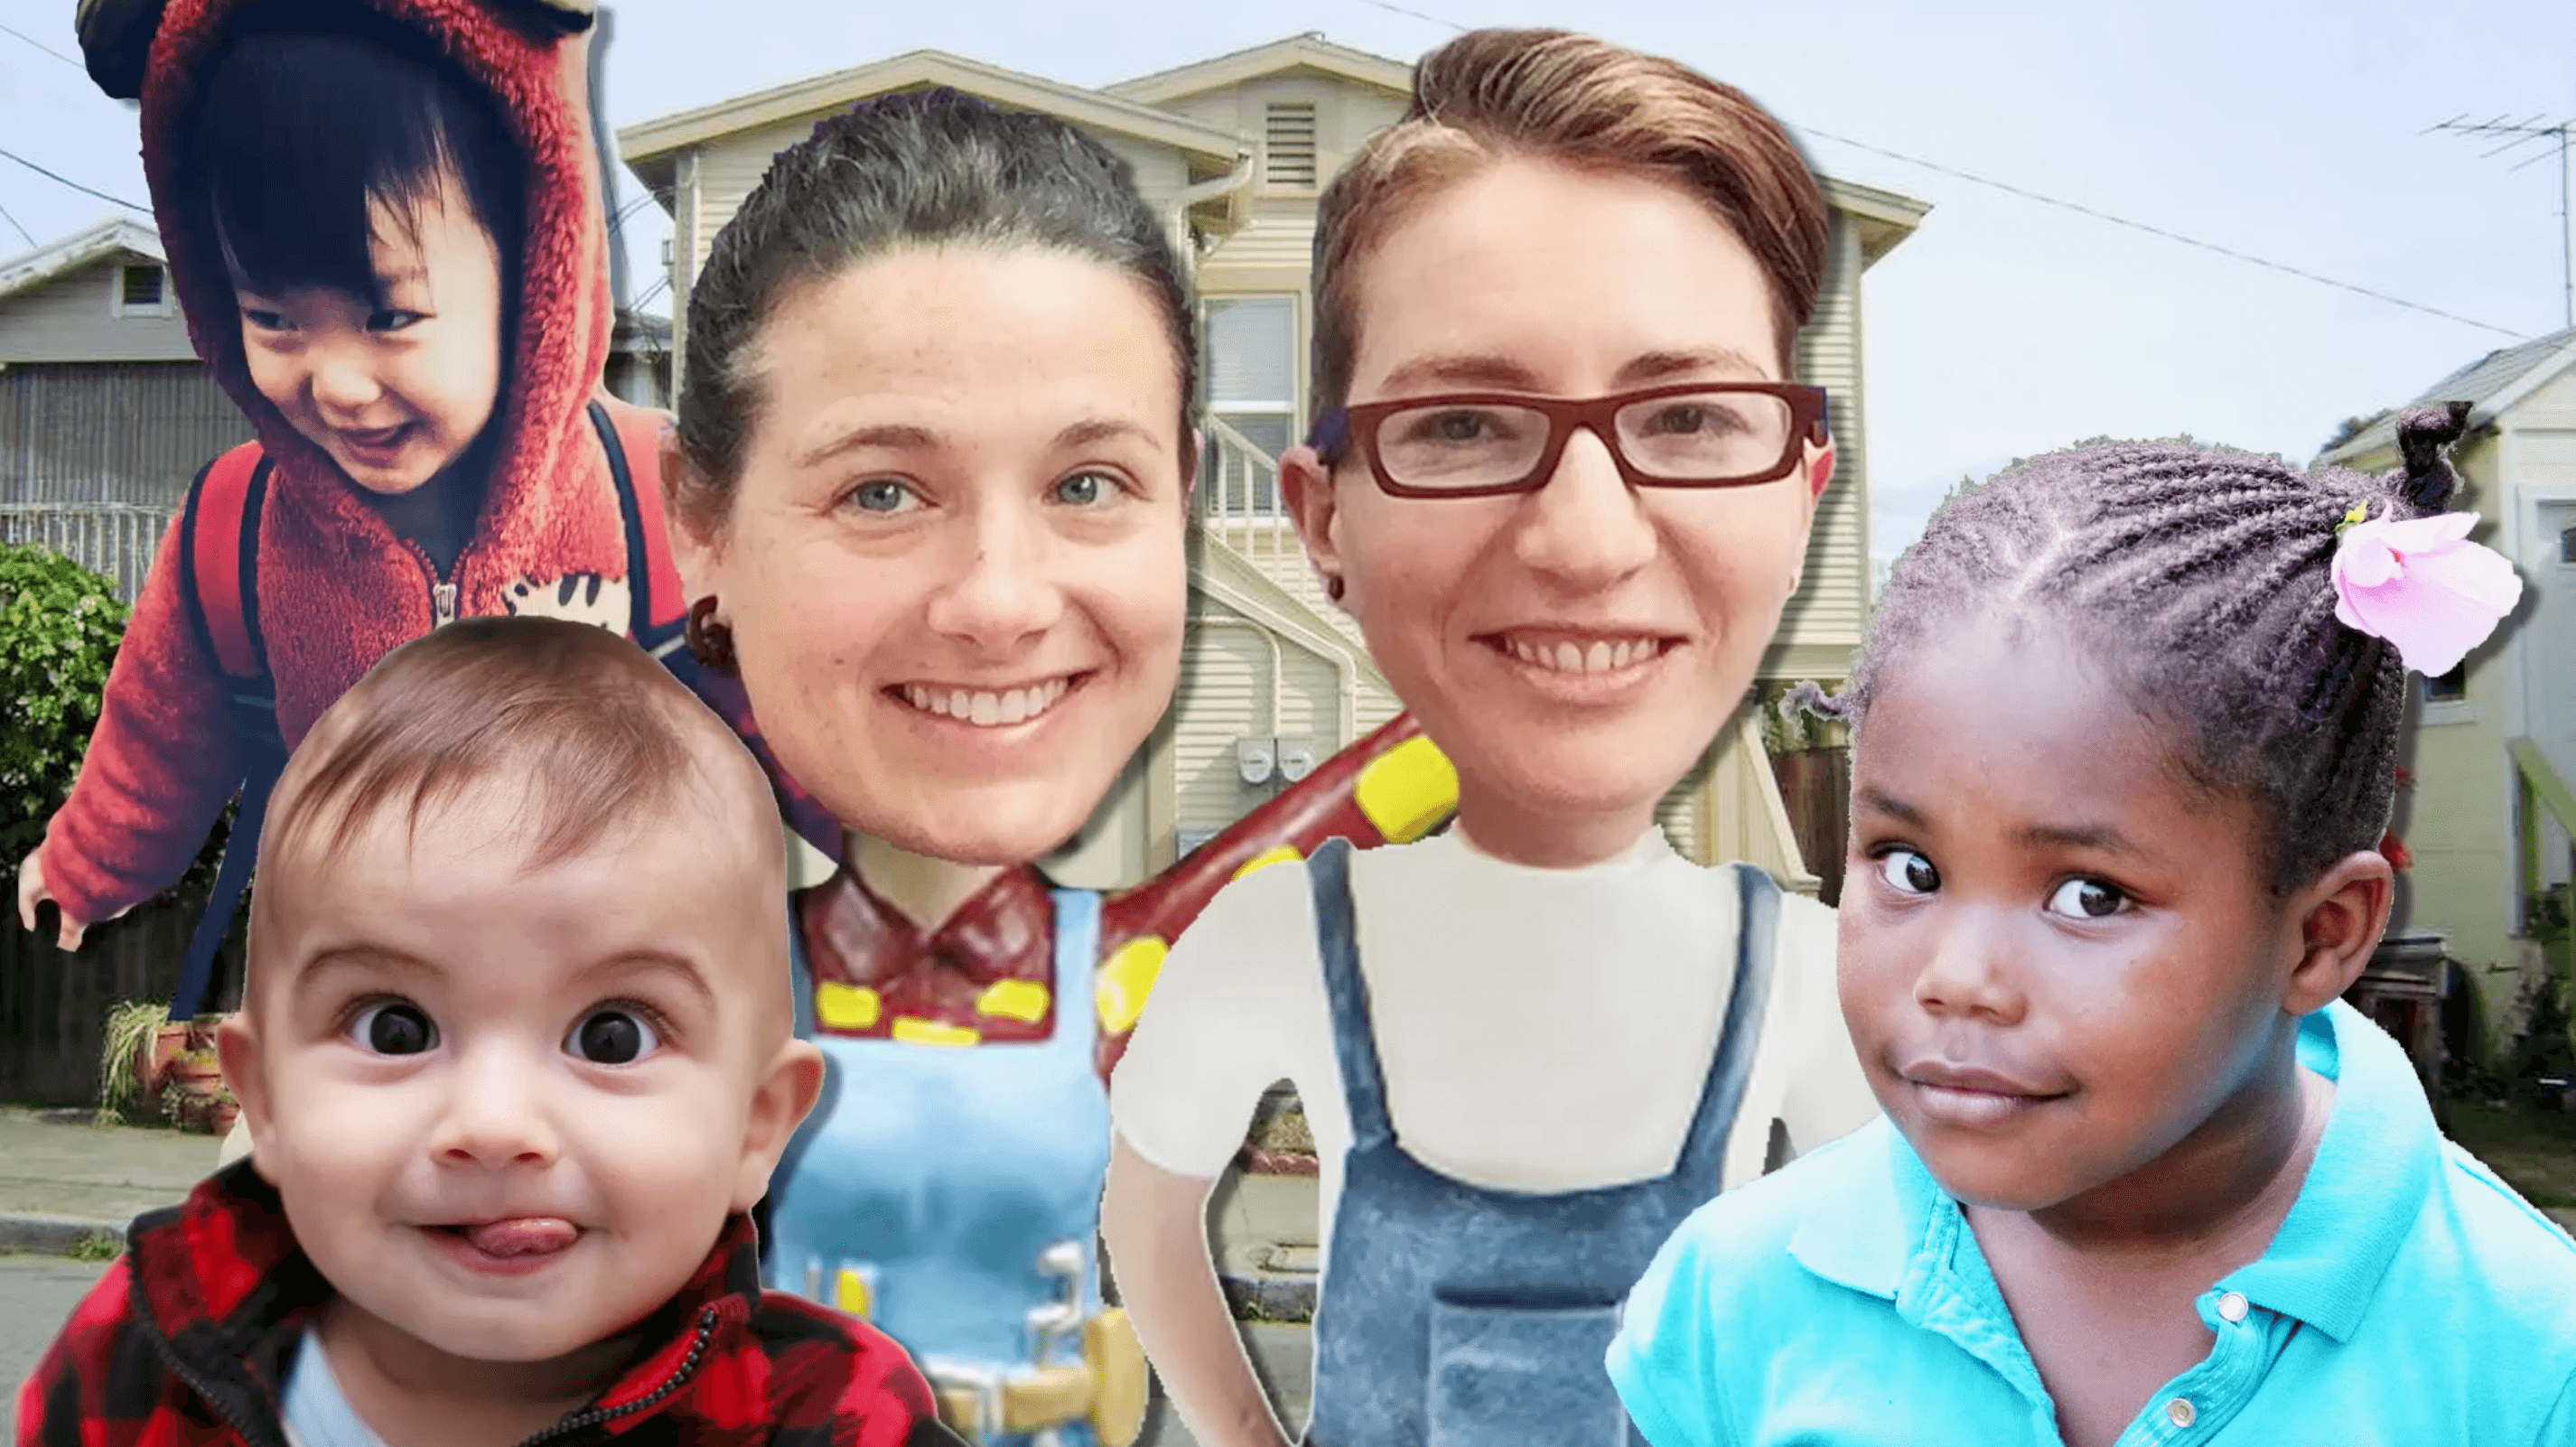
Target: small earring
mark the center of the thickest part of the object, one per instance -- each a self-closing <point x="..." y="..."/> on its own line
<point x="710" y="641"/>
<point x="1333" y="586"/>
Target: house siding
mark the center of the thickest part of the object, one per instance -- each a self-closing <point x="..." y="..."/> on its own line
<point x="72" y="319"/>
<point x="111" y="432"/>
<point x="1833" y="595"/>
<point x="1225" y="694"/>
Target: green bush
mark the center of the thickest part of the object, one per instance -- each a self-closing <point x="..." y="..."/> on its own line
<point x="60" y="625"/>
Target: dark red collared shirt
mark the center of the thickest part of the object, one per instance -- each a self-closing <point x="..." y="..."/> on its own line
<point x="989" y="968"/>
<point x="186" y="1340"/>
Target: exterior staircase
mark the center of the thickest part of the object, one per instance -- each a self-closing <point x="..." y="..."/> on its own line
<point x="1238" y="506"/>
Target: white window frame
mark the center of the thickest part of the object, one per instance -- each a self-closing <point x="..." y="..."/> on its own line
<point x="1288" y="408"/>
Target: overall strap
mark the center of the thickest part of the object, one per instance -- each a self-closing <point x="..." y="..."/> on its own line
<point x="1077" y="958"/>
<point x="219" y="571"/>
<point x="1354" y="1040"/>
<point x="1740" y="1038"/>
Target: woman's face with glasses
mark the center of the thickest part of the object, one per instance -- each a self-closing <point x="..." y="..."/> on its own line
<point x="1572" y="598"/>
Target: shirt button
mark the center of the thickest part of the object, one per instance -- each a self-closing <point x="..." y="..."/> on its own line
<point x="2232" y="1306"/>
<point x="2179" y="1409"/>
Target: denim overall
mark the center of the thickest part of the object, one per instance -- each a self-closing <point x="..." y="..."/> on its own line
<point x="1457" y="1316"/>
<point x="951" y="1194"/>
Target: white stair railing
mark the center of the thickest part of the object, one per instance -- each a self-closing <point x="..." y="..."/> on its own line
<point x="1238" y="504"/>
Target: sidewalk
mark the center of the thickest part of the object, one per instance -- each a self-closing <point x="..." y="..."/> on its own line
<point x="61" y="1178"/>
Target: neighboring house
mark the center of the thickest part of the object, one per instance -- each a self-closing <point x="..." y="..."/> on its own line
<point x="2485" y="736"/>
<point x="1234" y="151"/>
<point x="105" y="411"/>
<point x="106" y="414"/>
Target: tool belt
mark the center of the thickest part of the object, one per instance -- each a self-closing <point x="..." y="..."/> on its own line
<point x="1106" y="1389"/>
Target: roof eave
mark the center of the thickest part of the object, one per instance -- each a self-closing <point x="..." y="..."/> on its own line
<point x="664" y="138"/>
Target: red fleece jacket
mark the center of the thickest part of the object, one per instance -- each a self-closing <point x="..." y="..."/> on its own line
<point x="337" y="589"/>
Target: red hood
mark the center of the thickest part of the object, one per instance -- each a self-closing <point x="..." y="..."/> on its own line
<point x="565" y="309"/>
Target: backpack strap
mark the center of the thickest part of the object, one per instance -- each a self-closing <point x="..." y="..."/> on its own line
<point x="218" y="560"/>
<point x="219" y="575"/>
<point x="632" y="438"/>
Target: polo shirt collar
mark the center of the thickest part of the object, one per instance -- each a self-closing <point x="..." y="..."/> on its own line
<point x="2365" y="1189"/>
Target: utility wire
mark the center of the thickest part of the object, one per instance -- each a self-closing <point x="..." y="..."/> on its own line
<point x="2082" y="210"/>
<point x="22" y="230"/>
<point x="75" y="185"/>
<point x="40" y="45"/>
<point x="2211" y="246"/>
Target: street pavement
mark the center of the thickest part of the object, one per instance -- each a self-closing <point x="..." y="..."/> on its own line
<point x="36" y="1294"/>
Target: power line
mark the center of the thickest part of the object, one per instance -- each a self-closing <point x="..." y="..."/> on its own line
<point x="2080" y="209"/>
<point x="2176" y="236"/>
<point x="40" y="45"/>
<point x="13" y="221"/>
<point x="75" y="185"/>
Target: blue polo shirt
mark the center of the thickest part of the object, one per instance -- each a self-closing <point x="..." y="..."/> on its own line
<point x="2409" y="1299"/>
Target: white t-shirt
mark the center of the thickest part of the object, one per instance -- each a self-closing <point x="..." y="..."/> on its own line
<point x="1538" y="1029"/>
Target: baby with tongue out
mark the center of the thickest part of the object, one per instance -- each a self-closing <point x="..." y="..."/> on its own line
<point x="516" y="1048"/>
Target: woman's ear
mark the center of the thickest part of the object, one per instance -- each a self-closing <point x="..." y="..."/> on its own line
<point x="1820" y="471"/>
<point x="696" y="554"/>
<point x="1306" y="486"/>
<point x="2340" y="919"/>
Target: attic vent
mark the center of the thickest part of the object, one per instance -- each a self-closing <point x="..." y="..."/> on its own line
<point x="138" y="288"/>
<point x="1290" y="136"/>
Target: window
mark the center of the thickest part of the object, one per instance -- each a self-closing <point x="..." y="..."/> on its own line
<point x="1289" y="131"/>
<point x="2452" y="687"/>
<point x="1252" y="387"/>
<point x="2567" y="546"/>
<point x="142" y="290"/>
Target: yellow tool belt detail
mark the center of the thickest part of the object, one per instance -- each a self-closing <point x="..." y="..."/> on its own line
<point x="909" y="1031"/>
<point x="1281" y="855"/>
<point x="845" y="1007"/>
<point x="1121" y="1383"/>
<point x="1124" y="980"/>
<point x="1407" y="789"/>
<point x="1109" y="1389"/>
<point x="1022" y="1000"/>
<point x="852" y="1295"/>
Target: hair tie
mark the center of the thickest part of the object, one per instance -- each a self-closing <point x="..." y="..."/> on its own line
<point x="2420" y="584"/>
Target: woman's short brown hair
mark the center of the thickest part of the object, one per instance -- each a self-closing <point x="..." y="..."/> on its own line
<point x="1557" y="96"/>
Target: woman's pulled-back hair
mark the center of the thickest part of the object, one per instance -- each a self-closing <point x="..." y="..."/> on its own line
<point x="2200" y="579"/>
<point x="323" y="111"/>
<point x="1552" y="95"/>
<point x="917" y="169"/>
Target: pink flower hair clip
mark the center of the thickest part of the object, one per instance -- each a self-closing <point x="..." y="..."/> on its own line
<point x="2420" y="584"/>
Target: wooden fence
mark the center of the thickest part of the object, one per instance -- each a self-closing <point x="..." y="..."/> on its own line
<point x="53" y="1006"/>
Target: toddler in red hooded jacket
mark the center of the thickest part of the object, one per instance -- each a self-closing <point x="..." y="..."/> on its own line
<point x="518" y="1050"/>
<point x="383" y="222"/>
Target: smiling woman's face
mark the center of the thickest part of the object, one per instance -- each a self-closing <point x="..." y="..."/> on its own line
<point x="953" y="563"/>
<point x="1573" y="649"/>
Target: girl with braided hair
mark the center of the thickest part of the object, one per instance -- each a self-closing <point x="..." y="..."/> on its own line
<point x="2126" y="727"/>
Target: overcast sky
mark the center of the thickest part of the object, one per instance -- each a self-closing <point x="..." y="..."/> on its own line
<point x="2292" y="132"/>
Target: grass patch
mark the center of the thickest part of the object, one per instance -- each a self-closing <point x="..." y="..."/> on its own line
<point x="2533" y="1150"/>
<point x="98" y="1246"/>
